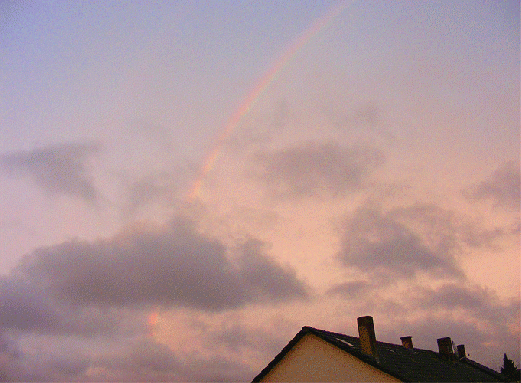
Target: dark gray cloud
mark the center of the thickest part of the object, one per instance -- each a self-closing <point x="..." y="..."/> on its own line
<point x="394" y="245"/>
<point x="237" y="338"/>
<point x="351" y="289"/>
<point x="447" y="230"/>
<point x="451" y="296"/>
<point x="148" y="360"/>
<point x="26" y="307"/>
<point x="148" y="190"/>
<point x="478" y="237"/>
<point x="145" y="190"/>
<point x="135" y="359"/>
<point x="23" y="307"/>
<point x="172" y="266"/>
<point x="9" y="359"/>
<point x="502" y="187"/>
<point x="317" y="169"/>
<point x="130" y="359"/>
<point x="143" y="359"/>
<point x="90" y="295"/>
<point x="385" y="244"/>
<point x="471" y="315"/>
<point x="59" y="169"/>
<point x="264" y="278"/>
<point x="479" y="302"/>
<point x="53" y="367"/>
<point x="218" y="369"/>
<point x="425" y="331"/>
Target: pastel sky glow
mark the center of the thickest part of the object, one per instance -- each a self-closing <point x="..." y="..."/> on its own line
<point x="186" y="184"/>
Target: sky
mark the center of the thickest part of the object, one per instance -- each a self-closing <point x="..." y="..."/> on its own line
<point x="186" y="184"/>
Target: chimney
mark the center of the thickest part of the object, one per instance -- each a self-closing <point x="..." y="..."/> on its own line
<point x="367" y="336"/>
<point x="461" y="351"/>
<point x="445" y="346"/>
<point x="406" y="341"/>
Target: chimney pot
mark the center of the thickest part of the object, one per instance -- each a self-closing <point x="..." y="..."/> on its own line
<point x="461" y="351"/>
<point x="406" y="341"/>
<point x="445" y="346"/>
<point x="367" y="336"/>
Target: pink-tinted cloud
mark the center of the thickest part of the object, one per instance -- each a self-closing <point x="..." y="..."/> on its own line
<point x="317" y="169"/>
<point x="59" y="169"/>
<point x="172" y="266"/>
<point x="379" y="244"/>
<point x="502" y="187"/>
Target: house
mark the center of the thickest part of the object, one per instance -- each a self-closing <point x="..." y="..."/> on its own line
<point x="318" y="355"/>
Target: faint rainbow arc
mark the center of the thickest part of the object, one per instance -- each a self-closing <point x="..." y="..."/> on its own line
<point x="234" y="120"/>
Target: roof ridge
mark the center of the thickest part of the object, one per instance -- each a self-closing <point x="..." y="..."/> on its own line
<point x="480" y="366"/>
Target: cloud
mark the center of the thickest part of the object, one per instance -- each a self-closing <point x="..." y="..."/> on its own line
<point x="351" y="289"/>
<point x="502" y="187"/>
<point x="140" y="360"/>
<point x="483" y="346"/>
<point x="160" y="188"/>
<point x="399" y="244"/>
<point x="218" y="369"/>
<point x="86" y="304"/>
<point x="468" y="314"/>
<point x="24" y="308"/>
<point x="265" y="278"/>
<point x="447" y="230"/>
<point x="258" y="131"/>
<point x="57" y="169"/>
<point x="149" y="360"/>
<point x="365" y="119"/>
<point x="239" y="338"/>
<point x="478" y="301"/>
<point x="53" y="366"/>
<point x="173" y="266"/>
<point x="9" y="359"/>
<point x="317" y="169"/>
<point x="384" y="244"/>
<point x="65" y="359"/>
<point x="144" y="359"/>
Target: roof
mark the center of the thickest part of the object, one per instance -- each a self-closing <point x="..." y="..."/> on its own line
<point x="409" y="365"/>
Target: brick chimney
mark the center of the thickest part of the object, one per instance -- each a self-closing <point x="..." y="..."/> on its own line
<point x="445" y="346"/>
<point x="461" y="351"/>
<point x="367" y="336"/>
<point x="406" y="341"/>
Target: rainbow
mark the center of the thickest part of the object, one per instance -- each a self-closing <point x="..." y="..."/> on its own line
<point x="234" y="120"/>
